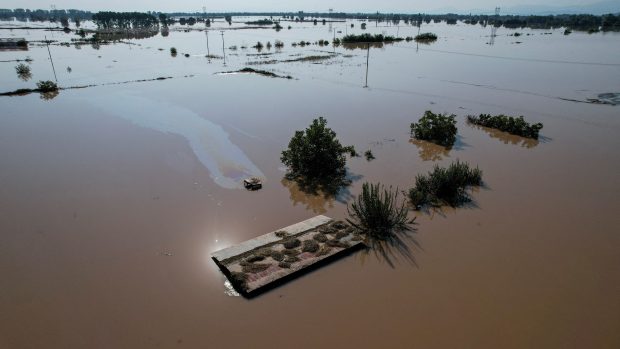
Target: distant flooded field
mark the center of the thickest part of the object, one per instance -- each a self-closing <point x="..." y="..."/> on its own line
<point x="115" y="191"/>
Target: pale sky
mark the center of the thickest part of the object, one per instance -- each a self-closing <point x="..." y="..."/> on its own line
<point x="404" y="6"/>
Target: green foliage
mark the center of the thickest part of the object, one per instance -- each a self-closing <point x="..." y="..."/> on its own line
<point x="47" y="86"/>
<point x="425" y="38"/>
<point x="445" y="186"/>
<point x="437" y="128"/>
<point x="124" y="20"/>
<point x="261" y="22"/>
<point x="513" y="125"/>
<point x="369" y="156"/>
<point x="377" y="212"/>
<point x="316" y="158"/>
<point x="173" y="51"/>
<point x="352" y="38"/>
<point x="310" y="246"/>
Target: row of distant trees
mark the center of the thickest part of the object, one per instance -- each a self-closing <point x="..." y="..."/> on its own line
<point x="137" y="19"/>
<point x="124" y="20"/>
<point x="45" y="15"/>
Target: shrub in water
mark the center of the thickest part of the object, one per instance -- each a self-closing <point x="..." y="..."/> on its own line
<point x="23" y="71"/>
<point x="378" y="213"/>
<point x="425" y="38"/>
<point x="47" y="86"/>
<point x="513" y="125"/>
<point x="445" y="186"/>
<point x="437" y="128"/>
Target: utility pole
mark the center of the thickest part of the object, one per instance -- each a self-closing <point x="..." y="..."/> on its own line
<point x="51" y="60"/>
<point x="494" y="28"/>
<point x="223" y="49"/>
<point x="207" y="34"/>
<point x="367" y="56"/>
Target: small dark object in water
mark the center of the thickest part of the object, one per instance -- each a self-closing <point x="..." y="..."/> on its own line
<point x="252" y="183"/>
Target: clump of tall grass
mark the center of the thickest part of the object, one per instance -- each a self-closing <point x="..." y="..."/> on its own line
<point x="445" y="186"/>
<point x="378" y="213"/>
<point x="513" y="125"/>
<point x="437" y="128"/>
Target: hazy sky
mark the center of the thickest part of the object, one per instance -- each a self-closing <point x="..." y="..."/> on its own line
<point x="280" y="5"/>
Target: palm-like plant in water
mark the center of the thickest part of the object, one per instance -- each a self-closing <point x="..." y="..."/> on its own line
<point x="378" y="214"/>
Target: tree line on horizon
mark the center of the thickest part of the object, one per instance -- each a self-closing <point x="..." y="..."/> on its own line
<point x="110" y="19"/>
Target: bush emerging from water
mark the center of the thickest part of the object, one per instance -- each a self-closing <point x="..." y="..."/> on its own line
<point x="513" y="125"/>
<point x="425" y="38"/>
<point x="437" y="128"/>
<point x="352" y="38"/>
<point x="316" y="158"/>
<point x="378" y="213"/>
<point x="47" y="86"/>
<point x="369" y="155"/>
<point x="445" y="186"/>
<point x="173" y="51"/>
<point x="23" y="71"/>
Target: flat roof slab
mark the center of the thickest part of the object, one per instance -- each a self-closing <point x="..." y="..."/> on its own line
<point x="271" y="257"/>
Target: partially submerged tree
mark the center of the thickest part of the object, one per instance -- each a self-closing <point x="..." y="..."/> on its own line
<point x="23" y="71"/>
<point x="47" y="86"/>
<point x="315" y="158"/>
<point x="437" y="128"/>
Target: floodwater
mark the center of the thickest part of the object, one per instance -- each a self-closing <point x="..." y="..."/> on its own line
<point x="112" y="197"/>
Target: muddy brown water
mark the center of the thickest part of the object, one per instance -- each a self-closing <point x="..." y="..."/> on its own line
<point x="113" y="197"/>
